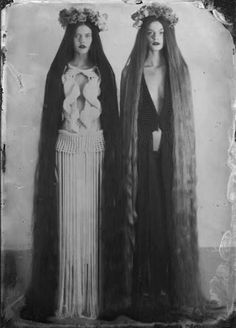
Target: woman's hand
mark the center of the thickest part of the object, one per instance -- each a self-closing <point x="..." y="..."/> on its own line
<point x="156" y="139"/>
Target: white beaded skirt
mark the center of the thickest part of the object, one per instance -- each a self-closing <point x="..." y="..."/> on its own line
<point x="79" y="161"/>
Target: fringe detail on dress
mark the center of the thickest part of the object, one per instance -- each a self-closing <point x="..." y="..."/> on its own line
<point x="74" y="143"/>
<point x="79" y="161"/>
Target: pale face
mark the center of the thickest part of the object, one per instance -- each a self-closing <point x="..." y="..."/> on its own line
<point x="82" y="39"/>
<point x="155" y="36"/>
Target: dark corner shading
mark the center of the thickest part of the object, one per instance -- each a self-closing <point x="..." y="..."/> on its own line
<point x="4" y="3"/>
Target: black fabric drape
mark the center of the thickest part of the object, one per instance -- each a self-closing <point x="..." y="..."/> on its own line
<point x="183" y="285"/>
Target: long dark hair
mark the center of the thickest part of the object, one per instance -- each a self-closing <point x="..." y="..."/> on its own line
<point x="182" y="219"/>
<point x="41" y="295"/>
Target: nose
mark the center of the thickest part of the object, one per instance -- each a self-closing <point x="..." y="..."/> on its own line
<point x="81" y="39"/>
<point x="154" y="37"/>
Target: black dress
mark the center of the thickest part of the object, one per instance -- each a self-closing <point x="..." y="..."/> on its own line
<point x="151" y="254"/>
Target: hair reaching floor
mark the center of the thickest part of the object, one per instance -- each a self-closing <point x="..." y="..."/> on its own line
<point x="181" y="216"/>
<point x="40" y="299"/>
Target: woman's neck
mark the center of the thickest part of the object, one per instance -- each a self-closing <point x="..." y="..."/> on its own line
<point x="81" y="61"/>
<point x="154" y="59"/>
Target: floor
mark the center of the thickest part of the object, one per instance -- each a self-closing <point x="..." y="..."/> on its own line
<point x="216" y="318"/>
<point x="16" y="277"/>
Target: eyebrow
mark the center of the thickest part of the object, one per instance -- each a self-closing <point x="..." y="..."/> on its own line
<point x="160" y="30"/>
<point x="88" y="33"/>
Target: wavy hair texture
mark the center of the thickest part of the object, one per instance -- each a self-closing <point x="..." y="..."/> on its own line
<point x="181" y="214"/>
<point x="42" y="293"/>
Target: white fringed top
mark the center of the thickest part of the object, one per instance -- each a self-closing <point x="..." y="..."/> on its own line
<point x="81" y="107"/>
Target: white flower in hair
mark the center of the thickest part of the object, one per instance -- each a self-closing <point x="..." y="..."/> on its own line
<point x="82" y="15"/>
<point x="157" y="10"/>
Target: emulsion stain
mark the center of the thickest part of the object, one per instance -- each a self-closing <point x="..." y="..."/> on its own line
<point x="3" y="151"/>
<point x="4" y="3"/>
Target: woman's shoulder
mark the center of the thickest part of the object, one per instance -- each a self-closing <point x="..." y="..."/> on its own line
<point x="97" y="71"/>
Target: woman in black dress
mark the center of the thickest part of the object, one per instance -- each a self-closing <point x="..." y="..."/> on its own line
<point x="158" y="171"/>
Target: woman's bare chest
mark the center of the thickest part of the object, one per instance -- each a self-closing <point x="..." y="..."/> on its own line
<point x="155" y="81"/>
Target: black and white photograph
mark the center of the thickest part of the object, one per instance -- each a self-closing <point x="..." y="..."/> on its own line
<point x="118" y="161"/>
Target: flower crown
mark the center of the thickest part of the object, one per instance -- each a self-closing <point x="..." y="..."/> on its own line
<point x="157" y="10"/>
<point x="82" y="15"/>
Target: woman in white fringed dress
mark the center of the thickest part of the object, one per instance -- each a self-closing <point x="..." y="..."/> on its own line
<point x="75" y="184"/>
<point x="79" y="157"/>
